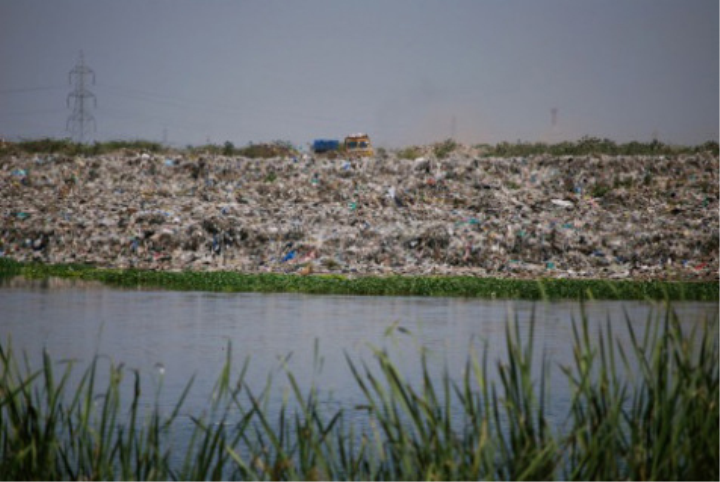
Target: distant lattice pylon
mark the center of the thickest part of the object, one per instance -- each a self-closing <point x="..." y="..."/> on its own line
<point x="79" y="121"/>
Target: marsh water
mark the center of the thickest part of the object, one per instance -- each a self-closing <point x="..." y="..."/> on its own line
<point x="171" y="336"/>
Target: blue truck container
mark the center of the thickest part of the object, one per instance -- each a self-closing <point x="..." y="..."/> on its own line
<point x="325" y="145"/>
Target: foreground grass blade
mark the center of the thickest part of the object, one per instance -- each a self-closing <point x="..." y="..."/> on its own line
<point x="645" y="409"/>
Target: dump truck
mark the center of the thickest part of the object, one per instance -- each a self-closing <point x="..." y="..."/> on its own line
<point x="358" y="145"/>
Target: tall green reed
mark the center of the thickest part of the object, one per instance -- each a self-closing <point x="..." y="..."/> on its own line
<point x="646" y="409"/>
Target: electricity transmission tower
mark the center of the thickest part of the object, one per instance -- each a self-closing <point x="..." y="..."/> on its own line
<point x="80" y="119"/>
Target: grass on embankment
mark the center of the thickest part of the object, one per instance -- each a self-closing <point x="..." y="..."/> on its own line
<point x="464" y="286"/>
<point x="648" y="411"/>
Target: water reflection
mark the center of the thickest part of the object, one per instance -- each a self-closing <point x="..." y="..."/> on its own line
<point x="188" y="333"/>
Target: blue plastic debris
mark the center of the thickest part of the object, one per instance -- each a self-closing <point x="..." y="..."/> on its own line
<point x="215" y="244"/>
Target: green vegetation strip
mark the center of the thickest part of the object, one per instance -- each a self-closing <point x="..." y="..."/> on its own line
<point x="584" y="146"/>
<point x="645" y="411"/>
<point x="463" y="286"/>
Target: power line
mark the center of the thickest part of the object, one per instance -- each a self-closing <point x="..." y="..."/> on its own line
<point x="77" y="121"/>
<point x="29" y="89"/>
<point x="30" y="112"/>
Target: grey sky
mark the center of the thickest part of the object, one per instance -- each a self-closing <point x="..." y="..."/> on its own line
<point x="404" y="71"/>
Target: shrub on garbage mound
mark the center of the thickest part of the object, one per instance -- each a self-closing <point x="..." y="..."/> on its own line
<point x="593" y="145"/>
<point x="68" y="147"/>
<point x="584" y="146"/>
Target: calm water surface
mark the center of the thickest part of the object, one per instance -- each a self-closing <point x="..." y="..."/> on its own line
<point x="180" y="334"/>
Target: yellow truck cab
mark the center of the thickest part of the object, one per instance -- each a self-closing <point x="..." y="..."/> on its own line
<point x="359" y="144"/>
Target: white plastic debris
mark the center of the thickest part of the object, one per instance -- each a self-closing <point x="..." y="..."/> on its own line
<point x="562" y="203"/>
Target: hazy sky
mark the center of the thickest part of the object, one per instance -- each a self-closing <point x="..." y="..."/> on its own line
<point x="404" y="71"/>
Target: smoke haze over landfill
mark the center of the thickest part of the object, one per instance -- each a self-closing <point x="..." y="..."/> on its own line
<point x="406" y="72"/>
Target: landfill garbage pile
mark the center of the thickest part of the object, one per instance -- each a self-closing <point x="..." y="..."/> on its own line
<point x="640" y="217"/>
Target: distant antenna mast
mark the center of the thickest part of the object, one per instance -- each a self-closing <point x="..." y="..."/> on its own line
<point x="80" y="118"/>
<point x="554" y="116"/>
